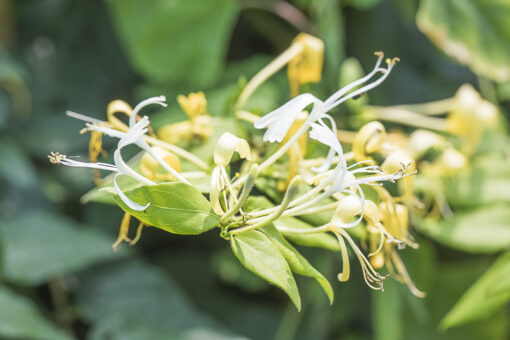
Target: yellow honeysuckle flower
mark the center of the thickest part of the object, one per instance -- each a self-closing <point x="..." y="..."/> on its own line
<point x="368" y="140"/>
<point x="194" y="104"/>
<point x="149" y="165"/>
<point x="306" y="66"/>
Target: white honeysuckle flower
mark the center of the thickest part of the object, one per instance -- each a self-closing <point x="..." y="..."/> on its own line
<point x="279" y="121"/>
<point x="120" y="167"/>
<point x="135" y="133"/>
<point x="227" y="145"/>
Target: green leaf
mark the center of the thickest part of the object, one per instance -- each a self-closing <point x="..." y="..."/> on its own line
<point x="362" y="4"/>
<point x="387" y="312"/>
<point x="15" y="167"/>
<point x="175" y="207"/>
<point x="486" y="182"/>
<point x="318" y="240"/>
<point x="298" y="264"/>
<point x="40" y="245"/>
<point x="475" y="32"/>
<point x="484" y="230"/>
<point x="489" y="293"/>
<point x="20" y="319"/>
<point x="177" y="41"/>
<point x="261" y="256"/>
<point x="136" y="300"/>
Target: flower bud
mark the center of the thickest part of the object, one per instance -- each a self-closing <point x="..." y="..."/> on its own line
<point x="214" y="194"/>
<point x="395" y="219"/>
<point x="368" y="140"/>
<point x="227" y="145"/>
<point x="420" y="141"/>
<point x="397" y="160"/>
<point x="451" y="161"/>
<point x="306" y="67"/>
<point x="348" y="208"/>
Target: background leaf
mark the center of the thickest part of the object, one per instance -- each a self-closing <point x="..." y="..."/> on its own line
<point x="489" y="293"/>
<point x="475" y="32"/>
<point x="20" y="319"/>
<point x="131" y="299"/>
<point x="40" y="245"/>
<point x="175" y="207"/>
<point x="168" y="40"/>
<point x="483" y="230"/>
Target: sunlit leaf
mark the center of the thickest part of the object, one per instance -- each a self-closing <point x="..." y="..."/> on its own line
<point x="489" y="293"/>
<point x="298" y="264"/>
<point x="484" y="230"/>
<point x="175" y="207"/>
<point x="40" y="245"/>
<point x="261" y="256"/>
<point x="176" y="41"/>
<point x="476" y="33"/>
<point x="20" y="319"/>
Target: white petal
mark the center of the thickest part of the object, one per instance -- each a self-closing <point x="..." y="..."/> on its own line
<point x="132" y="205"/>
<point x="154" y="100"/>
<point x="280" y="120"/>
<point x="325" y="136"/>
<point x="78" y="164"/>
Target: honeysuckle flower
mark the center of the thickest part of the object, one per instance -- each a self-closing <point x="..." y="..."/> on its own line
<point x="199" y="123"/>
<point x="194" y="104"/>
<point x="279" y="121"/>
<point x="369" y="139"/>
<point x="133" y="135"/>
<point x="306" y="66"/>
<point x="120" y="167"/>
<point x="227" y="145"/>
<point x="421" y="141"/>
<point x="149" y="165"/>
<point x="220" y="181"/>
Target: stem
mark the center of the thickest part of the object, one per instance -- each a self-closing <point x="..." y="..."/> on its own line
<point x="434" y="108"/>
<point x="408" y="118"/>
<point x="291" y="192"/>
<point x="267" y="72"/>
<point x="322" y="229"/>
<point x="248" y="185"/>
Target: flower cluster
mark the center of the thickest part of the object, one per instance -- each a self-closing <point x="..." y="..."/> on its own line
<point x="349" y="187"/>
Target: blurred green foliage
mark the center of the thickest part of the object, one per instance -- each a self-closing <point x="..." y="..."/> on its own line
<point x="60" y="278"/>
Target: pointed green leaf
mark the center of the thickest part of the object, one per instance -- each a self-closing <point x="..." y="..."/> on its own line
<point x="261" y="256"/>
<point x="489" y="293"/>
<point x="484" y="230"/>
<point x="175" y="207"/>
<point x="298" y="264"/>
<point x="20" y="319"/>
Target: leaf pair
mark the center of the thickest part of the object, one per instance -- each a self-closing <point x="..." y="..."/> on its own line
<point x="268" y="254"/>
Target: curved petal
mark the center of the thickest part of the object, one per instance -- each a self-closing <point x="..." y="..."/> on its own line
<point x="132" y="205"/>
<point x="280" y="120"/>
